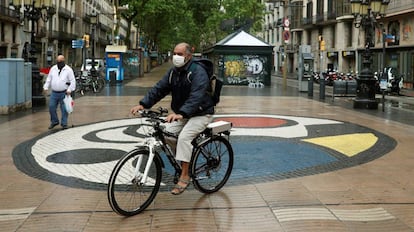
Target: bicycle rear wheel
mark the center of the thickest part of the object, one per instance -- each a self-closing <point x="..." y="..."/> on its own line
<point x="126" y="194"/>
<point x="212" y="164"/>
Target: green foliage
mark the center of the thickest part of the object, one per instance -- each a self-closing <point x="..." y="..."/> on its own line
<point x="165" y="23"/>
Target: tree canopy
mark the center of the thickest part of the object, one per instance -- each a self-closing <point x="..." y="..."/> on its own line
<point x="164" y="23"/>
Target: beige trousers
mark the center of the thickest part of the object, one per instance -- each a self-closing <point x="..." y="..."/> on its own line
<point x="187" y="130"/>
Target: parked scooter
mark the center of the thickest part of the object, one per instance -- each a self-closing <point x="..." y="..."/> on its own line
<point x="394" y="83"/>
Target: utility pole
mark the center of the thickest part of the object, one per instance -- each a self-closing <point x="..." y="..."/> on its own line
<point x="286" y="38"/>
<point x="321" y="77"/>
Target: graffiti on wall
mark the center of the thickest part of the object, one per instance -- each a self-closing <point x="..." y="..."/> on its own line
<point x="245" y="70"/>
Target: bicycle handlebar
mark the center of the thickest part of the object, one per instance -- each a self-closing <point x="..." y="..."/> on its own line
<point x="154" y="117"/>
<point x="154" y="114"/>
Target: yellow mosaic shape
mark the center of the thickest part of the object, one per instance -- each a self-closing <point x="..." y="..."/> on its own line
<point x="349" y="145"/>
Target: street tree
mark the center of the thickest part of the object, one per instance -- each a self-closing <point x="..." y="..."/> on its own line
<point x="163" y="23"/>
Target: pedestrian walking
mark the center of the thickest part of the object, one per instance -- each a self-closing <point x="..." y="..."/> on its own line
<point x="61" y="81"/>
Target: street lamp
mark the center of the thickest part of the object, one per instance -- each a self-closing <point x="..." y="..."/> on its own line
<point x="366" y="13"/>
<point x="34" y="10"/>
<point x="93" y="20"/>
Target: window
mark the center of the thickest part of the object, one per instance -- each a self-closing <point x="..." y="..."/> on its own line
<point x="2" y="32"/>
<point x="319" y="7"/>
<point x="309" y="10"/>
<point x="348" y="35"/>
<point x="278" y="34"/>
<point x="14" y="32"/>
<point x="331" y="9"/>
<point x="394" y="29"/>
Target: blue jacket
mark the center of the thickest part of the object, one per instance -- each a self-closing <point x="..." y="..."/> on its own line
<point x="189" y="92"/>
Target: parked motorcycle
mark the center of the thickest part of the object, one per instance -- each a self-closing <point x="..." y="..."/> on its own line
<point x="394" y="83"/>
<point x="331" y="77"/>
<point x="316" y="77"/>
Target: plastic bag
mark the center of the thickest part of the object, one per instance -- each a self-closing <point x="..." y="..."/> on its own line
<point x="68" y="101"/>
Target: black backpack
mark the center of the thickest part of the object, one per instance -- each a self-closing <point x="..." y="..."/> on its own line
<point x="215" y="84"/>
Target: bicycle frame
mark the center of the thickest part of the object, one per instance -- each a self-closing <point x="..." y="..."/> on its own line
<point x="150" y="143"/>
<point x="156" y="139"/>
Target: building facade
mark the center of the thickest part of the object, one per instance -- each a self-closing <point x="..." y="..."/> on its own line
<point x="9" y="26"/>
<point x="57" y="26"/>
<point x="311" y="21"/>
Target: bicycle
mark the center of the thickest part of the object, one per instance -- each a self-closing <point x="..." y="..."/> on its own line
<point x="85" y="82"/>
<point x="136" y="178"/>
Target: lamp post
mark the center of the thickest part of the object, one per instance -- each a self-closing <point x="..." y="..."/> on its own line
<point x="34" y="10"/>
<point x="366" y="13"/>
<point x="93" y="21"/>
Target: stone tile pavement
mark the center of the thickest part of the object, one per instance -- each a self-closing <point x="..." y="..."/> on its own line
<point x="369" y="195"/>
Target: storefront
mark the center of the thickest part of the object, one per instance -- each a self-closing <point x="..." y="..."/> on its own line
<point x="400" y="58"/>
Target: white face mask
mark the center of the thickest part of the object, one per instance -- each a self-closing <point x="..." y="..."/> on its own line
<point x="178" y="61"/>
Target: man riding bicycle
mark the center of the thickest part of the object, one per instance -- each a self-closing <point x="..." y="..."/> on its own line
<point x="191" y="103"/>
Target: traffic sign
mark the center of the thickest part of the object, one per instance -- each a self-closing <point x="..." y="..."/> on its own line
<point x="286" y="36"/>
<point x="77" y="43"/>
<point x="286" y="22"/>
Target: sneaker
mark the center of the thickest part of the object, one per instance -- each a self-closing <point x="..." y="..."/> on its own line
<point x="64" y="127"/>
<point x="53" y="125"/>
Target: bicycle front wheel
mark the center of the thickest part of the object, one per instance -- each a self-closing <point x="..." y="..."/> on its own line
<point x="212" y="164"/>
<point x="127" y="194"/>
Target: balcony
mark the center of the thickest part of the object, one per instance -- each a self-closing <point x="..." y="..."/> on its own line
<point x="104" y="40"/>
<point x="62" y="36"/>
<point x="86" y="19"/>
<point x="332" y="15"/>
<point x="325" y="19"/>
<point x="396" y="7"/>
<point x="307" y="21"/>
<point x="399" y="6"/>
<point x="320" y="17"/>
<point x="105" y="27"/>
<point x="9" y="15"/>
<point x="297" y="23"/>
<point x="343" y="9"/>
<point x="41" y="32"/>
<point x="65" y="13"/>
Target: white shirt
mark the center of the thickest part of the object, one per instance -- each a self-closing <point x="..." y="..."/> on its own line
<point x="58" y="81"/>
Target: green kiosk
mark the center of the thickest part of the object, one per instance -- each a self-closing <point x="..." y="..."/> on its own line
<point x="242" y="59"/>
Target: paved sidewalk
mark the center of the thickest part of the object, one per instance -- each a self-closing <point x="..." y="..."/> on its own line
<point x="302" y="164"/>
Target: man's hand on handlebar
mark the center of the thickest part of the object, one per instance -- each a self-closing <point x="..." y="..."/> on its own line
<point x="134" y="110"/>
<point x="174" y="117"/>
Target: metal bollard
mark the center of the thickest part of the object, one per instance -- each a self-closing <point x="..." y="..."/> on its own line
<point x="322" y="88"/>
<point x="310" y="86"/>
